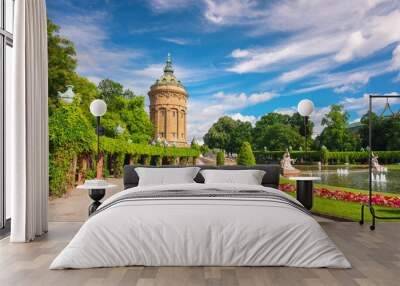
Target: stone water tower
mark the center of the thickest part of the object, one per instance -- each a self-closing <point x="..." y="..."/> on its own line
<point x="168" y="107"/>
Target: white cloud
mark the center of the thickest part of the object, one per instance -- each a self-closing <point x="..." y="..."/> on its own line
<point x="360" y="104"/>
<point x="334" y="32"/>
<point x="238" y="53"/>
<point x="395" y="65"/>
<point x="304" y="71"/>
<point x="202" y="113"/>
<point x="228" y="12"/>
<point x="177" y="41"/>
<point x="245" y="118"/>
<point x="348" y="81"/>
<point x="258" y="60"/>
<point x="162" y="6"/>
<point x="286" y="110"/>
<point x="95" y="54"/>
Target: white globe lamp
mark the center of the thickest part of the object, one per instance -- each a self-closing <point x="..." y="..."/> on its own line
<point x="305" y="107"/>
<point x="98" y="107"/>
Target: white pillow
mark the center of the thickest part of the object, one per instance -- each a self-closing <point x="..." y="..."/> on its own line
<point x="248" y="177"/>
<point x="166" y="176"/>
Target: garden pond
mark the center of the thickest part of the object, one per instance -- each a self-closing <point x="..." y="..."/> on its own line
<point x="356" y="178"/>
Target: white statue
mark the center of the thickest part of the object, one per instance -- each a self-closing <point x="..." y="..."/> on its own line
<point x="286" y="165"/>
<point x="375" y="164"/>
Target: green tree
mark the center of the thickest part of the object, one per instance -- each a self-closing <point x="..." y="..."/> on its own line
<point x="385" y="132"/>
<point x="126" y="110"/>
<point x="278" y="137"/>
<point x="61" y="61"/>
<point x="276" y="132"/>
<point x="228" y="134"/>
<point x="246" y="156"/>
<point x="110" y="90"/>
<point x="335" y="135"/>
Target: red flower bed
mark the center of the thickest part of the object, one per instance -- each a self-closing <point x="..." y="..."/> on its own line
<point x="377" y="199"/>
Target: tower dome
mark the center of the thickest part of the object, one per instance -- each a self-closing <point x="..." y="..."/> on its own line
<point x="168" y="106"/>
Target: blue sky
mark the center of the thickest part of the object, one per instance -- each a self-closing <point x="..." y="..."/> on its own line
<point x="242" y="58"/>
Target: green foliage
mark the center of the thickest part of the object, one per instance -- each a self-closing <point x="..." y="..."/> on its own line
<point x="204" y="149"/>
<point x="220" y="158"/>
<point x="385" y="132"/>
<point x="69" y="129"/>
<point x="276" y="137"/>
<point x="125" y="111"/>
<point x="246" y="156"/>
<point x="61" y="58"/>
<point x="228" y="134"/>
<point x="335" y="135"/>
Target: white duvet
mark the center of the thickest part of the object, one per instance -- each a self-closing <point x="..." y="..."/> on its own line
<point x="200" y="231"/>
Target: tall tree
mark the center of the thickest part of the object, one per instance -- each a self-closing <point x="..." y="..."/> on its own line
<point x="385" y="132"/>
<point x="62" y="60"/>
<point x="276" y="137"/>
<point x="110" y="89"/>
<point x="228" y="134"/>
<point x="276" y="132"/>
<point x="335" y="135"/>
<point x="126" y="110"/>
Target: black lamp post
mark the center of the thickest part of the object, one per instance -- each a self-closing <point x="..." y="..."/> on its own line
<point x="98" y="108"/>
<point x="305" y="108"/>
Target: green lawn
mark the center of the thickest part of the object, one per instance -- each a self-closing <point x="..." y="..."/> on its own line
<point x="393" y="167"/>
<point x="342" y="209"/>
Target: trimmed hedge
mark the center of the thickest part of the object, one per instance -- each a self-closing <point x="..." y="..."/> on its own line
<point x="328" y="157"/>
<point x="65" y="168"/>
<point x="263" y="157"/>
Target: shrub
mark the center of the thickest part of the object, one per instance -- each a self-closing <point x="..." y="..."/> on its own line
<point x="246" y="156"/>
<point x="220" y="158"/>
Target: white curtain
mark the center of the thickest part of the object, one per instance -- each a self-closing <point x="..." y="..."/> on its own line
<point x="26" y="121"/>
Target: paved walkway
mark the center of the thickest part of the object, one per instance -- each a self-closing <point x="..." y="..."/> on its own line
<point x="74" y="205"/>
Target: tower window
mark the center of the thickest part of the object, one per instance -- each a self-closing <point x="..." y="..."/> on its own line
<point x="162" y="134"/>
<point x="173" y="113"/>
<point x="183" y="135"/>
<point x="174" y="134"/>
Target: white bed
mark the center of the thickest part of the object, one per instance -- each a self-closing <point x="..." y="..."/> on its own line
<point x="202" y="231"/>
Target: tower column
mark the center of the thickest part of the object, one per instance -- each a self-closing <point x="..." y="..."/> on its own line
<point x="168" y="100"/>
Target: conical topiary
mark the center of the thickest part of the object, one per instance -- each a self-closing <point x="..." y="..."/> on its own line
<point x="220" y="158"/>
<point x="246" y="156"/>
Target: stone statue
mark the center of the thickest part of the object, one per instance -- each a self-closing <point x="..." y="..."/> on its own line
<point x="286" y="165"/>
<point x="375" y="164"/>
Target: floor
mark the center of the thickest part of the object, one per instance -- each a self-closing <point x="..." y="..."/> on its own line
<point x="375" y="257"/>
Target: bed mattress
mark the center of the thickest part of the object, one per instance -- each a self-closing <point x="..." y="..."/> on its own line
<point x="201" y="225"/>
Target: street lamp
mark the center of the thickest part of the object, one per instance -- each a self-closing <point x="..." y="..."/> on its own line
<point x="305" y="108"/>
<point x="98" y="107"/>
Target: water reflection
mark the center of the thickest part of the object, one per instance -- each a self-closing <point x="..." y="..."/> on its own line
<point x="355" y="178"/>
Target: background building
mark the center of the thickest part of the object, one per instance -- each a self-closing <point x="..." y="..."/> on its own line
<point x="168" y="106"/>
